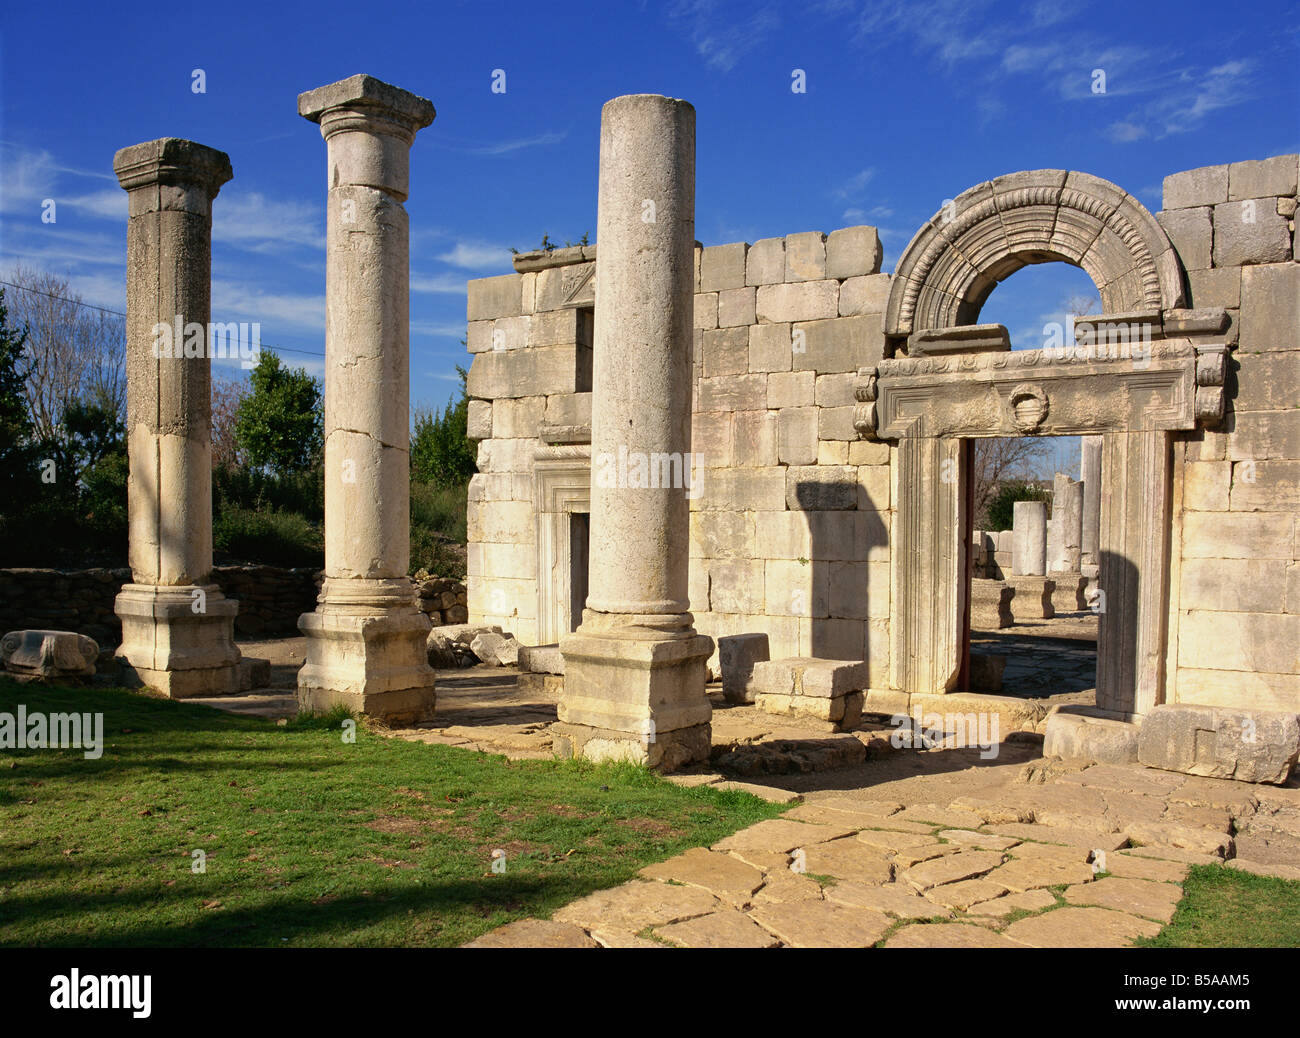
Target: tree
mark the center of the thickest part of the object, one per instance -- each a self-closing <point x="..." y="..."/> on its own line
<point x="994" y="461"/>
<point x="227" y="397"/>
<point x="16" y="455"/>
<point x="1002" y="507"/>
<point x="441" y="451"/>
<point x="279" y="424"/>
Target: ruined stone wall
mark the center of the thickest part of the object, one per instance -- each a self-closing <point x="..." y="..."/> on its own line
<point x="1235" y="581"/>
<point x="790" y="511"/>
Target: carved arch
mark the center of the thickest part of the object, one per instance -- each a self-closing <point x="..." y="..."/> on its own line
<point x="991" y="230"/>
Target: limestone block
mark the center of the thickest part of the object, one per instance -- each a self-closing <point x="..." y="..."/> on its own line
<point x="721" y="535"/>
<point x="1246" y="745"/>
<point x="478" y="336"/>
<point x="733" y="393"/>
<point x="1238" y="535"/>
<point x="835" y="390"/>
<point x="1029" y="548"/>
<point x="1205" y="186"/>
<point x="568" y="409"/>
<point x="1005" y="541"/>
<point x="49" y="654"/>
<point x="1266" y="486"/>
<point x="796" y="588"/>
<point x="832" y="452"/>
<point x="1258" y="642"/>
<point x="1191" y="232"/>
<point x="864" y="295"/>
<point x="754" y="438"/>
<point x="1215" y="287"/>
<point x="820" y="709"/>
<point x="736" y="585"/>
<point x="555" y="327"/>
<point x="555" y="285"/>
<point x="1257" y="437"/>
<point x="1033" y="598"/>
<point x="736" y="307"/>
<point x="990" y="604"/>
<point x="770" y="348"/>
<point x="499" y="374"/>
<point x="836" y="423"/>
<point x="740" y="489"/>
<point x="711" y="438"/>
<point x="841" y="344"/>
<point x="1239" y="690"/>
<point x="737" y="655"/>
<point x="821" y="488"/>
<point x="490" y="298"/>
<point x="765" y="262"/>
<point x="803" y="301"/>
<point x="809" y="676"/>
<point x="852" y="252"/>
<point x="723" y="267"/>
<point x="518" y="418"/>
<point x="478" y="423"/>
<point x="726" y="352"/>
<point x="1270" y="308"/>
<point x="1206" y="485"/>
<point x="1261" y="178"/>
<point x="1081" y="733"/>
<point x="859" y="590"/>
<point x="864" y="452"/>
<point x="874" y="488"/>
<point x="1250" y="231"/>
<point x="706" y="310"/>
<point x="1070" y="593"/>
<point x="805" y="256"/>
<point x="1262" y="381"/>
<point x="807" y="535"/>
<point x="1234" y="585"/>
<point x="789" y="388"/>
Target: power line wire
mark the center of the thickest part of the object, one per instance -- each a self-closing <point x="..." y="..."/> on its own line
<point x="119" y="313"/>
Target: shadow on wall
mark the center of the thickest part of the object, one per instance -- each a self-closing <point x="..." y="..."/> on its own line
<point x="1118" y="666"/>
<point x="838" y="591"/>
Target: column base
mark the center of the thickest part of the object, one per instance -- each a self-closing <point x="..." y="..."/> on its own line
<point x="635" y="692"/>
<point x="366" y="650"/>
<point x="170" y="647"/>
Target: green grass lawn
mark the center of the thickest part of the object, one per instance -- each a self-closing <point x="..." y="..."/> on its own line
<point x="310" y="840"/>
<point x="1227" y="908"/>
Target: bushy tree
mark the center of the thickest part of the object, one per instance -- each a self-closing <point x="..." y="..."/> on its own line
<point x="1001" y="507"/>
<point x="442" y="453"/>
<point x="16" y="454"/>
<point x="280" y="424"/>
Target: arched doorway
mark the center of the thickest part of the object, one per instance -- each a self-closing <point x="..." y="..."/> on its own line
<point x="1150" y="370"/>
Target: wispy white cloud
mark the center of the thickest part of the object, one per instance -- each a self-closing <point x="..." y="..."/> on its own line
<point x="853" y="186"/>
<point x="477" y="256"/>
<point x="723" y="33"/>
<point x="506" y="147"/>
<point x="252" y="221"/>
<point x="239" y="300"/>
<point x="446" y="283"/>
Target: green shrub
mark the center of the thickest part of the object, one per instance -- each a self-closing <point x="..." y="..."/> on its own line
<point x="270" y="537"/>
<point x="438" y="528"/>
<point x="1002" y="506"/>
<point x="253" y="489"/>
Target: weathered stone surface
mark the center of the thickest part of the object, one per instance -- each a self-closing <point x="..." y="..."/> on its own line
<point x="821" y="924"/>
<point x="1128" y="866"/>
<point x="541" y="659"/>
<point x="852" y="252"/>
<point x="1248" y="745"/>
<point x="1250" y="231"/>
<point x="848" y="859"/>
<point x="781" y="835"/>
<point x="1031" y="873"/>
<point x="49" y="654"/>
<point x="636" y="905"/>
<point x="723" y="929"/>
<point x="951" y="817"/>
<point x="967" y="892"/>
<point x="1139" y="897"/>
<point x="1020" y="901"/>
<point x="1195" y="187"/>
<point x="806" y="676"/>
<point x="981" y="841"/>
<point x="1081" y="928"/>
<point x="896" y="899"/>
<point x="721" y="875"/>
<point x="948" y="935"/>
<point x="1079" y="733"/>
<point x="534" y="933"/>
<point x="951" y="869"/>
<point x="1071" y="836"/>
<point x="737" y="655"/>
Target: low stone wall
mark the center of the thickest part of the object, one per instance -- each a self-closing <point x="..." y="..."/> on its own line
<point x="444" y="599"/>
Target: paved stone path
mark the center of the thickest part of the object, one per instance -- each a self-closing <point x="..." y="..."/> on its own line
<point x="1054" y="856"/>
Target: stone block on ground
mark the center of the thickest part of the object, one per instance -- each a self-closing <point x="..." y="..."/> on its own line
<point x="737" y="655"/>
<point x="1081" y="733"/>
<point x="49" y="654"/>
<point x="541" y="659"/>
<point x="1246" y="745"/>
<point x="1081" y="928"/>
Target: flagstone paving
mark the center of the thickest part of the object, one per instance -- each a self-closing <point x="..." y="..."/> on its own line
<point x="1020" y="853"/>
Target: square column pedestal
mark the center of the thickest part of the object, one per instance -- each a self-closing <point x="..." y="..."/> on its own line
<point x="366" y="650"/>
<point x="634" y="694"/>
<point x="179" y="640"/>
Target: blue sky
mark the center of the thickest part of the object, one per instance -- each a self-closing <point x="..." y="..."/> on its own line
<point x="907" y="104"/>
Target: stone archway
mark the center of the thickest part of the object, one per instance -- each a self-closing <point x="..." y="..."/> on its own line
<point x="954" y="385"/>
<point x="991" y="230"/>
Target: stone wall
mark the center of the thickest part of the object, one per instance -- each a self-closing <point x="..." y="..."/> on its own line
<point x="790" y="511"/>
<point x="1235" y="585"/>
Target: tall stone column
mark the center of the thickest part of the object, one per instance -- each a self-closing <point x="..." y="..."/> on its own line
<point x="1029" y="539"/>
<point x="366" y="638"/>
<point x="1063" y="550"/>
<point x="635" y="668"/>
<point x="177" y="627"/>
<point x="1090" y="474"/>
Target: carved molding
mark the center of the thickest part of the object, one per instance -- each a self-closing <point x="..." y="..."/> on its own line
<point x="562" y="485"/>
<point x="996" y="227"/>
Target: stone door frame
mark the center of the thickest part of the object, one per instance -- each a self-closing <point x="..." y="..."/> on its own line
<point x="562" y="486"/>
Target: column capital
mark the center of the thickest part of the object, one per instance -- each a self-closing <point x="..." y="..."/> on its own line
<point x="367" y="104"/>
<point x="172" y="162"/>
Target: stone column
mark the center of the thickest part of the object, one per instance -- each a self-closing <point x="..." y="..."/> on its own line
<point x="1090" y="474"/>
<point x="366" y="638"/>
<point x="1067" y="520"/>
<point x="1029" y="545"/>
<point x="635" y="668"/>
<point x="177" y="627"/>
